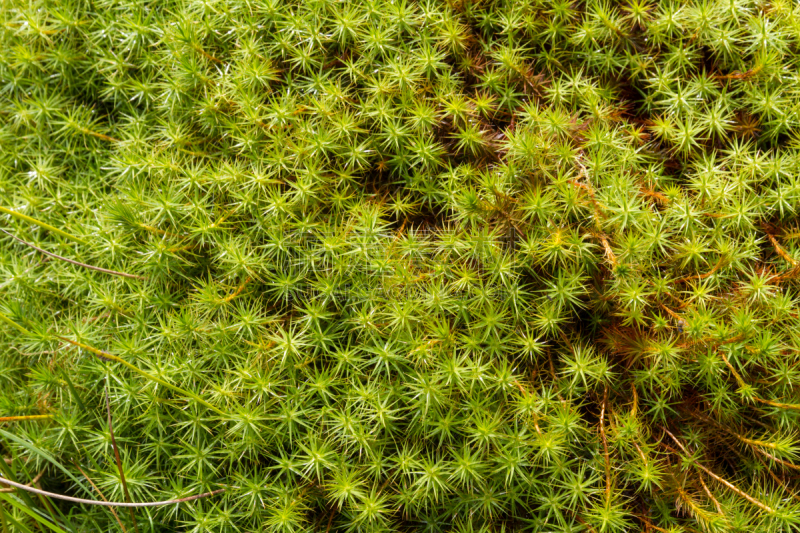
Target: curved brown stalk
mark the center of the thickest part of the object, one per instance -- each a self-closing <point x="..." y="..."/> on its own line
<point x="708" y="274"/>
<point x="780" y="251"/>
<point x="237" y="292"/>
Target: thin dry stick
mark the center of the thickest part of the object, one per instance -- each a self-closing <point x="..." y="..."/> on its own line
<point x="698" y="512"/>
<point x="641" y="453"/>
<point x="87" y="131"/>
<point x="710" y="495"/>
<point x="106" y="503"/>
<point x="778" y="480"/>
<point x="330" y="520"/>
<point x="649" y="524"/>
<point x="84" y="265"/>
<point x="584" y="523"/>
<point x="792" y="406"/>
<point x="776" y="459"/>
<point x="671" y="313"/>
<point x="206" y="54"/>
<point x="34" y="482"/>
<point x="781" y="252"/>
<point x="731" y="486"/>
<point x="118" y="460"/>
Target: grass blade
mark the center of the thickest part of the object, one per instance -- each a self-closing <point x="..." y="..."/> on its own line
<point x="22" y="507"/>
<point x="46" y="456"/>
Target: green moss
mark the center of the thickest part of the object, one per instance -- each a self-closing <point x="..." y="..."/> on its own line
<point x="399" y="266"/>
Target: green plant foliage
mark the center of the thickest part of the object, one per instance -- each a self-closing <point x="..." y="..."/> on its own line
<point x="407" y="265"/>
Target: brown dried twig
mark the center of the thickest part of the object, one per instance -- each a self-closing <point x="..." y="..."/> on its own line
<point x="34" y="482"/>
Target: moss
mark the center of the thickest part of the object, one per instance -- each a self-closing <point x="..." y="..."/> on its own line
<point x="395" y="266"/>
